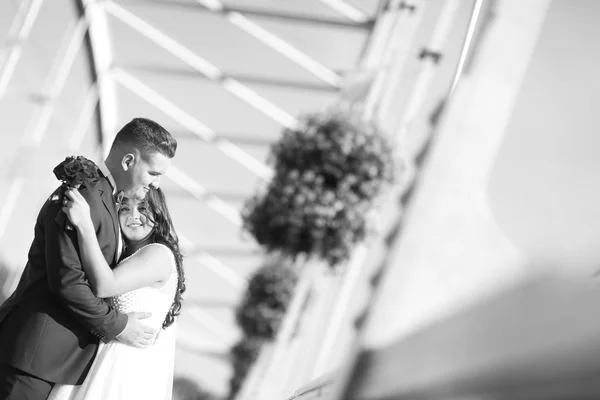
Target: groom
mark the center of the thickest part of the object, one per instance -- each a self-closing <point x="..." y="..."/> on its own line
<point x="51" y="325"/>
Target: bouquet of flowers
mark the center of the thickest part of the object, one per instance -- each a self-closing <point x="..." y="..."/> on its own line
<point x="74" y="172"/>
<point x="328" y="172"/>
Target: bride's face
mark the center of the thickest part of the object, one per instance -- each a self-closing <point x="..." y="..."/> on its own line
<point x="134" y="224"/>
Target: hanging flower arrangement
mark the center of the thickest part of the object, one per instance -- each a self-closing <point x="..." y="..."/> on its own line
<point x="260" y="314"/>
<point x="269" y="293"/>
<point x="327" y="173"/>
<point x="243" y="354"/>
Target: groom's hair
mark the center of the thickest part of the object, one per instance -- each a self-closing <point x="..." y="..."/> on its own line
<point x="147" y="136"/>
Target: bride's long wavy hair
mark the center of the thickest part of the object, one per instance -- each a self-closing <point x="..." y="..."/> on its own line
<point x="164" y="232"/>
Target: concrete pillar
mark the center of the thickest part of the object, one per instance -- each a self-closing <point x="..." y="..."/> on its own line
<point x="451" y="251"/>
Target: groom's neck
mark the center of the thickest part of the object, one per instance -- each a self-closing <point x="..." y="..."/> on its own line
<point x="113" y="169"/>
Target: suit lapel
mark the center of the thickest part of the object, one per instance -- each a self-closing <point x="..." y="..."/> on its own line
<point x="110" y="205"/>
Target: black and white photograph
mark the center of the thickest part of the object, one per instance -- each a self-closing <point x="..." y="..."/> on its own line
<point x="299" y="199"/>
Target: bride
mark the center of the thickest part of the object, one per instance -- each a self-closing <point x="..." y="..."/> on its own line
<point x="149" y="279"/>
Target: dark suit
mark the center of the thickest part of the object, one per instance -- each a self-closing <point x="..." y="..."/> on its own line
<point x="51" y="325"/>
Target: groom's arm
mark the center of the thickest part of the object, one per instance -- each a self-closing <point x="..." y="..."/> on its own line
<point x="67" y="279"/>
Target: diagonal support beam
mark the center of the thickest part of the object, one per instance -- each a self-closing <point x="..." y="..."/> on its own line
<point x="275" y="42"/>
<point x="200" y="193"/>
<point x="195" y="126"/>
<point x="10" y="202"/>
<point x="221" y="207"/>
<point x="215" y="265"/>
<point x="201" y="65"/>
<point x="38" y="124"/>
<point x="217" y="328"/>
<point x="350" y="12"/>
<point x="84" y="119"/>
<point x="19" y="33"/>
<point x="279" y="15"/>
<point x="63" y="65"/>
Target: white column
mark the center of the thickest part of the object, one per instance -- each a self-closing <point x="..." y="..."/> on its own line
<point x="451" y="252"/>
<point x="102" y="52"/>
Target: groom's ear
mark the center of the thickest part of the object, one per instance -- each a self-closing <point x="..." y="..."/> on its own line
<point x="127" y="161"/>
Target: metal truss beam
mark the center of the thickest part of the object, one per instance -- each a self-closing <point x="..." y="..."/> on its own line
<point x="286" y="83"/>
<point x="255" y="12"/>
<point x="214" y="264"/>
<point x="347" y="10"/>
<point x="230" y="276"/>
<point x="38" y="124"/>
<point x="194" y="125"/>
<point x="86" y="114"/>
<point x="61" y="68"/>
<point x="199" y="192"/>
<point x="274" y="42"/>
<point x="220" y="331"/>
<point x="256" y="139"/>
<point x="18" y="34"/>
<point x="201" y="65"/>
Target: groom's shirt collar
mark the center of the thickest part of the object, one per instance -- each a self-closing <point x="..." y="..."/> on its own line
<point x="105" y="171"/>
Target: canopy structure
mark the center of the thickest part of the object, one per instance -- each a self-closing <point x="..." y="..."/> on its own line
<point x="224" y="77"/>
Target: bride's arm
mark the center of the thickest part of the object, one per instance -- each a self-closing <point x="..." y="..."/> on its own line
<point x="149" y="265"/>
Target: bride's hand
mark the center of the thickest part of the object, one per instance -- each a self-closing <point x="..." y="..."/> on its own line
<point x="77" y="209"/>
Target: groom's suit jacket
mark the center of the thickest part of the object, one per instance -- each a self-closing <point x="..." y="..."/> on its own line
<point x="51" y="325"/>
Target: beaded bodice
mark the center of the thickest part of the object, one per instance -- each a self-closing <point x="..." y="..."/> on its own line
<point x="157" y="301"/>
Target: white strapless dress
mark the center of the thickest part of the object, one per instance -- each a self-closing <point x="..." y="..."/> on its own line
<point x="121" y="372"/>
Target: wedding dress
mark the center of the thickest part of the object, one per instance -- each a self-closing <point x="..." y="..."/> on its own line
<point x="122" y="372"/>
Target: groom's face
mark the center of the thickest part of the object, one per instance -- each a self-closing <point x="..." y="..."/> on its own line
<point x="142" y="173"/>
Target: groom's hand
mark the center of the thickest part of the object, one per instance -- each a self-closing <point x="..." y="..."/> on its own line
<point x="137" y="334"/>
